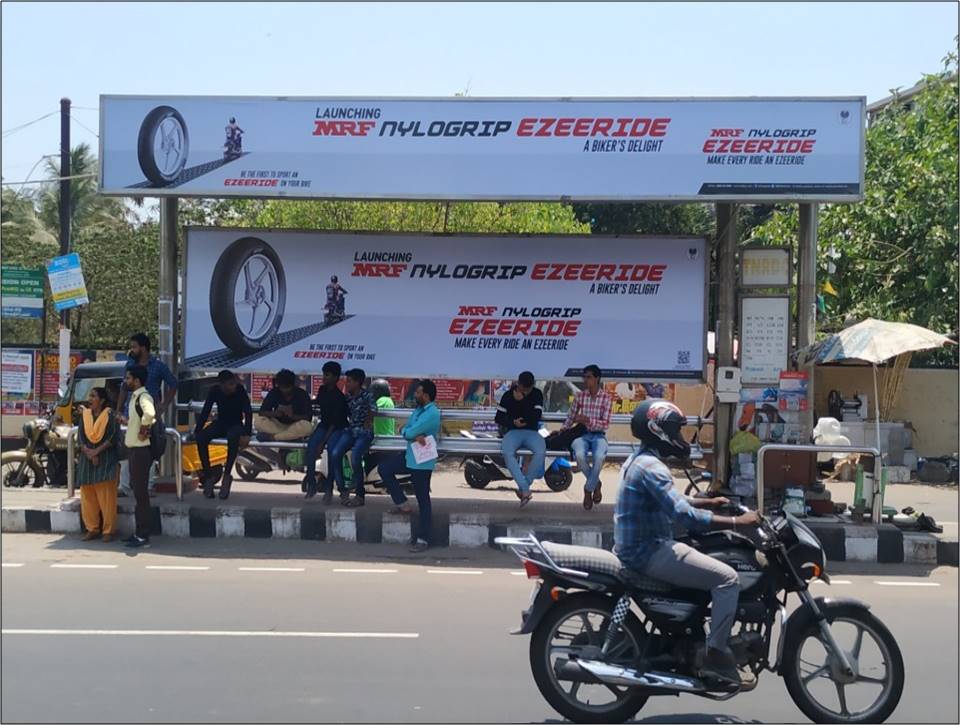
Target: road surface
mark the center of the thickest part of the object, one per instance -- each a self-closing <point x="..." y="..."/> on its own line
<point x="281" y="631"/>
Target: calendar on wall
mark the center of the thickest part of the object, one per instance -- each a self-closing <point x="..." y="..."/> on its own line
<point x="764" y="338"/>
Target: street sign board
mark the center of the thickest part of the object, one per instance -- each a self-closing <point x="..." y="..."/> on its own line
<point x="66" y="282"/>
<point x="22" y="291"/>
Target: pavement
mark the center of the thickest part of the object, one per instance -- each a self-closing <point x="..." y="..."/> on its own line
<point x="240" y="630"/>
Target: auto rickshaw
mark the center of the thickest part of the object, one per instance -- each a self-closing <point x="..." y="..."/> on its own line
<point x="44" y="460"/>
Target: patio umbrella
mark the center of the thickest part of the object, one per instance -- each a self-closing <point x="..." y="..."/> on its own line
<point x="873" y="341"/>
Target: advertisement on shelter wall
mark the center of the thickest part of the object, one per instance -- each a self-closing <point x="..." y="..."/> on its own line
<point x="483" y="149"/>
<point x="457" y="307"/>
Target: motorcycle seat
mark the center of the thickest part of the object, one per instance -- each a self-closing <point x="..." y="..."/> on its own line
<point x="584" y="558"/>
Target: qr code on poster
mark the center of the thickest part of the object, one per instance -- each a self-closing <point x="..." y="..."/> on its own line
<point x="683" y="357"/>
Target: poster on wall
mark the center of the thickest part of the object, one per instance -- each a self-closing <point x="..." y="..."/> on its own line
<point x="447" y="307"/>
<point x="17" y="378"/>
<point x="483" y="149"/>
<point x="764" y="338"/>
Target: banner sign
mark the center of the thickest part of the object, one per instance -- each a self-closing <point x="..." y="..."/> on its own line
<point x="460" y="307"/>
<point x="22" y="291"/>
<point x="66" y="282"/>
<point x="484" y="149"/>
<point x="17" y="372"/>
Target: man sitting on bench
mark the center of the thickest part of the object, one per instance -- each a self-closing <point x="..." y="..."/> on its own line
<point x="286" y="413"/>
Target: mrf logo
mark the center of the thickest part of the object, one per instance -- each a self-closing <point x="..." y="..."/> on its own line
<point x="343" y="128"/>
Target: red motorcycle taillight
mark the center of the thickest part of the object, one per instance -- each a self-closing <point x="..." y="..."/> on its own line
<point x="533" y="571"/>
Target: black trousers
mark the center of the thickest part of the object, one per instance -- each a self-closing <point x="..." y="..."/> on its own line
<point x="140" y="460"/>
<point x="219" y="429"/>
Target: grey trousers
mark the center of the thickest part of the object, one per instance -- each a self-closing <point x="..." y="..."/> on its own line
<point x="678" y="564"/>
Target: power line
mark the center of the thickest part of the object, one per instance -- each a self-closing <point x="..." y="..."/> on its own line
<point x="81" y="125"/>
<point x="28" y="123"/>
<point x="48" y="181"/>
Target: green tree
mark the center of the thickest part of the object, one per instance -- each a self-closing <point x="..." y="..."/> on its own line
<point x="667" y="219"/>
<point x="87" y="207"/>
<point x="893" y="256"/>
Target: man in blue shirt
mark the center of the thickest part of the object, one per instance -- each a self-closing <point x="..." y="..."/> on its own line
<point x="647" y="507"/>
<point x="158" y="374"/>
<point x="425" y="421"/>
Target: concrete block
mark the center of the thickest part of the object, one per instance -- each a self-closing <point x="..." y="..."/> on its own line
<point x="285" y="523"/>
<point x="341" y="526"/>
<point x="13" y="521"/>
<point x="174" y="521"/>
<point x="919" y="548"/>
<point x="65" y="522"/>
<point x="898" y="474"/>
<point x="469" y="530"/>
<point x="396" y="529"/>
<point x="860" y="543"/>
<point x="586" y="537"/>
<point x="948" y="553"/>
<point x="229" y="522"/>
<point x="70" y="504"/>
<point x="127" y="526"/>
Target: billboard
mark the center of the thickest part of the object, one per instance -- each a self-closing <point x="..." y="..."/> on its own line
<point x="483" y="149"/>
<point x="469" y="307"/>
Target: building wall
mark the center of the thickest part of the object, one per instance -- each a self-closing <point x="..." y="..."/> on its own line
<point x="929" y="400"/>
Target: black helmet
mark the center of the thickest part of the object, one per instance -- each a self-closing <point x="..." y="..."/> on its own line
<point x="233" y="119"/>
<point x="334" y="278"/>
<point x="380" y="388"/>
<point x="658" y="424"/>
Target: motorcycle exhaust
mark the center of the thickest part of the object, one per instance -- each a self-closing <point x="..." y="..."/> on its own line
<point x="593" y="671"/>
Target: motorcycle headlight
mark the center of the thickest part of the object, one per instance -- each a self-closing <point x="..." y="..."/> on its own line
<point x="27" y="430"/>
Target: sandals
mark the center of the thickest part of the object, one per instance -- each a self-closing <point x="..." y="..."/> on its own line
<point x="587" y="500"/>
<point x="354" y="502"/>
<point x="598" y="493"/>
<point x="525" y="498"/>
<point x="401" y="511"/>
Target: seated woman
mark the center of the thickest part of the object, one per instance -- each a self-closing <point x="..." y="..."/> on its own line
<point x="98" y="469"/>
<point x="285" y="414"/>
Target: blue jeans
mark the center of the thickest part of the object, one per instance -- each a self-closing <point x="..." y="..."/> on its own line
<point x="397" y="463"/>
<point x="596" y="444"/>
<point x="311" y="458"/>
<point x="360" y="442"/>
<point x="515" y="439"/>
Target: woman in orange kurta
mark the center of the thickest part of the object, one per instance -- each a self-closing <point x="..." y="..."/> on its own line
<point x="98" y="468"/>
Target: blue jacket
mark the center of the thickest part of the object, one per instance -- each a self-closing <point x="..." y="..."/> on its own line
<point x="423" y="421"/>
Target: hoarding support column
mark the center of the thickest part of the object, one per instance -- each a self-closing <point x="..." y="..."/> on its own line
<point x="726" y="296"/>
<point x="167" y="309"/>
<point x="807" y="297"/>
<point x="64" y="207"/>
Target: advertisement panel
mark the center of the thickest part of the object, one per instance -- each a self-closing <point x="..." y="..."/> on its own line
<point x="17" y="378"/>
<point x="483" y="149"/>
<point x="66" y="282"/>
<point x="21" y="291"/>
<point x="461" y="307"/>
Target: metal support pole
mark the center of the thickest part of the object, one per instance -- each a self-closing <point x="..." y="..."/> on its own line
<point x="807" y="299"/>
<point x="167" y="313"/>
<point x="726" y="295"/>
<point x="64" y="209"/>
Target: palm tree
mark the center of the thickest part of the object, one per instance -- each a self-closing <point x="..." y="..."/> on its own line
<point x="88" y="208"/>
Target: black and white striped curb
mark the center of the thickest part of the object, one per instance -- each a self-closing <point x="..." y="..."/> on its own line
<point x="885" y="544"/>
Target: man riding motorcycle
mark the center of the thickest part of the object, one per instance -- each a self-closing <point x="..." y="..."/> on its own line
<point x="647" y="507"/>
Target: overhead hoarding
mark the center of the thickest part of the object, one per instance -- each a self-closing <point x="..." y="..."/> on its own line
<point x="484" y="149"/>
<point x="463" y="307"/>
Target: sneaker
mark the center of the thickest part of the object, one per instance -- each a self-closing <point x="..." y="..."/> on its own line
<point x="720" y="665"/>
<point x="328" y="498"/>
<point x="137" y="543"/>
<point x="130" y="539"/>
<point x="587" y="499"/>
<point x="419" y="546"/>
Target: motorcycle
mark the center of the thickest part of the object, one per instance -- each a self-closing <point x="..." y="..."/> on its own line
<point x="233" y="146"/>
<point x="336" y="308"/>
<point x="43" y="462"/>
<point x="605" y="639"/>
<point x="480" y="471"/>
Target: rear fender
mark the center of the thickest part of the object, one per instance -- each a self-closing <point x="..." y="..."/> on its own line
<point x="798" y="620"/>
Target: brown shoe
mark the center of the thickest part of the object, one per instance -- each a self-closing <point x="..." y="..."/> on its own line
<point x="587" y="500"/>
<point x="597" y="493"/>
<point x="91" y="535"/>
<point x="107" y="538"/>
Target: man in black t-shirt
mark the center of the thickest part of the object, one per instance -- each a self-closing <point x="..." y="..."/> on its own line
<point x="285" y="414"/>
<point x="234" y="422"/>
<point x="519" y="415"/>
<point x="332" y="404"/>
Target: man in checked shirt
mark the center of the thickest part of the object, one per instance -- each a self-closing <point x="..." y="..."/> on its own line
<point x="647" y="507"/>
<point x="591" y="409"/>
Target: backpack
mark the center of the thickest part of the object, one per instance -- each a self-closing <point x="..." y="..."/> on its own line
<point x="158" y="438"/>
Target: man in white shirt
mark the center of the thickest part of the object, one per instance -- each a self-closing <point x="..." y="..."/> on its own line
<point x="142" y="413"/>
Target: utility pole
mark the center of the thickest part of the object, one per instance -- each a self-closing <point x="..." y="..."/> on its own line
<point x="726" y="247"/>
<point x="807" y="299"/>
<point x="65" y="208"/>
<point x="167" y="310"/>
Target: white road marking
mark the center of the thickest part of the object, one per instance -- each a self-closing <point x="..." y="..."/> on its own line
<point x="177" y="568"/>
<point x="907" y="584"/>
<point x="364" y="571"/>
<point x="11" y="565"/>
<point x="468" y="572"/>
<point x="518" y="573"/>
<point x="210" y="633"/>
<point x="833" y="581"/>
<point x="83" y="566"/>
<point x="270" y="568"/>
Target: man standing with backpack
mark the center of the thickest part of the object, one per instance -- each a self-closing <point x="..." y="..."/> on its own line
<point x="139" y="456"/>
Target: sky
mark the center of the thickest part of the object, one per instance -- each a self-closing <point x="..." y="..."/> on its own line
<point x="80" y="50"/>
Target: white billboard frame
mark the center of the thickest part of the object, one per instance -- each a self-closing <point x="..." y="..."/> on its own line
<point x="691" y="198"/>
<point x="688" y="379"/>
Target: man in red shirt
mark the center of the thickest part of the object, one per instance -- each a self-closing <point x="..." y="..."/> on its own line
<point x="591" y="408"/>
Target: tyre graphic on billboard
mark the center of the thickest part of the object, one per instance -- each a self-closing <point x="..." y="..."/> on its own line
<point x="163" y="145"/>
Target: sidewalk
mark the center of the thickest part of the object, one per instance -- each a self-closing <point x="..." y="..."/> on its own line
<point x="274" y="507"/>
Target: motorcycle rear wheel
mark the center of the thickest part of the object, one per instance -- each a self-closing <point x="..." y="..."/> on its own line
<point x="245" y="471"/>
<point x="558" y="480"/>
<point x="475" y="475"/>
<point x="596" y="611"/>
<point x="32" y="472"/>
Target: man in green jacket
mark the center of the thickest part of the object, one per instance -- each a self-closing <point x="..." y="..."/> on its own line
<point x="423" y="423"/>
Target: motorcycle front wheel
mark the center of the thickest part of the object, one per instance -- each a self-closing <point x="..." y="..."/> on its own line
<point x="575" y="628"/>
<point x="475" y="474"/>
<point x="814" y="680"/>
<point x="558" y="479"/>
<point x="31" y="475"/>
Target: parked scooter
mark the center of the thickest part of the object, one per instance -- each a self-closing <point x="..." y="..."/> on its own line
<point x="479" y="471"/>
